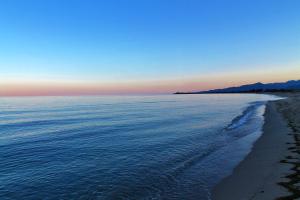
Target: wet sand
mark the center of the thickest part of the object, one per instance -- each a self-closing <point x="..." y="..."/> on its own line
<point x="272" y="169"/>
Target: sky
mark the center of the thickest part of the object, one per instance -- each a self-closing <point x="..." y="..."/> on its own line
<point x="87" y="47"/>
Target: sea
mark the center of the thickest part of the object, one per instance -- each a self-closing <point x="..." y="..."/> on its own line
<point x="124" y="147"/>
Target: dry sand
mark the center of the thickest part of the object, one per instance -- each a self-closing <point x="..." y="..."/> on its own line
<point x="272" y="169"/>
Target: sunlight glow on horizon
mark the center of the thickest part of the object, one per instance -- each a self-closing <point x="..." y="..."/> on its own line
<point x="204" y="82"/>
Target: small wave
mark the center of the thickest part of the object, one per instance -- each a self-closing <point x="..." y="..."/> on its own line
<point x="245" y="116"/>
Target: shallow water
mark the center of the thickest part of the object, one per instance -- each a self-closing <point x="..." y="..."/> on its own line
<point x="124" y="147"/>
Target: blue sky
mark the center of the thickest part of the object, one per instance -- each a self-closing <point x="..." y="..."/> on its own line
<point x="121" y="40"/>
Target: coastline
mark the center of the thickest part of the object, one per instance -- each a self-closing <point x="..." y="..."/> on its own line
<point x="266" y="171"/>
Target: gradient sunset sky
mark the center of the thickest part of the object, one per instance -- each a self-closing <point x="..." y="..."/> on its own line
<point x="74" y="47"/>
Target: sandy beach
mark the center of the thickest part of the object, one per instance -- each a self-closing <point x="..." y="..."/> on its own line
<point x="271" y="170"/>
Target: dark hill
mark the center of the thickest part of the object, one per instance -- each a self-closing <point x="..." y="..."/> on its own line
<point x="289" y="86"/>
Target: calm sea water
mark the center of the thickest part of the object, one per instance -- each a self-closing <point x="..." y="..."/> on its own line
<point x="124" y="147"/>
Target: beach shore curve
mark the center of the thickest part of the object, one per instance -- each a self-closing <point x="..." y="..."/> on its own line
<point x="270" y="169"/>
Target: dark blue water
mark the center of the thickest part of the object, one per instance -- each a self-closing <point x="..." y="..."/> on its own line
<point x="124" y="147"/>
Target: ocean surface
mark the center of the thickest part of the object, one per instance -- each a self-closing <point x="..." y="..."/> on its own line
<point x="124" y="147"/>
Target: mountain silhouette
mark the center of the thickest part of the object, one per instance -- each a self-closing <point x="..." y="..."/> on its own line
<point x="289" y="86"/>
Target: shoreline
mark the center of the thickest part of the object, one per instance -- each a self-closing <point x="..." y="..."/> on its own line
<point x="265" y="172"/>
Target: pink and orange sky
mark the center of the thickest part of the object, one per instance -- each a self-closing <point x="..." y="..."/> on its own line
<point x="43" y="87"/>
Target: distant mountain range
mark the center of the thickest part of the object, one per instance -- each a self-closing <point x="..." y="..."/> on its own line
<point x="289" y="86"/>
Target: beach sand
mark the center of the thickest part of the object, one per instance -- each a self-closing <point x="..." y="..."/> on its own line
<point x="272" y="169"/>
